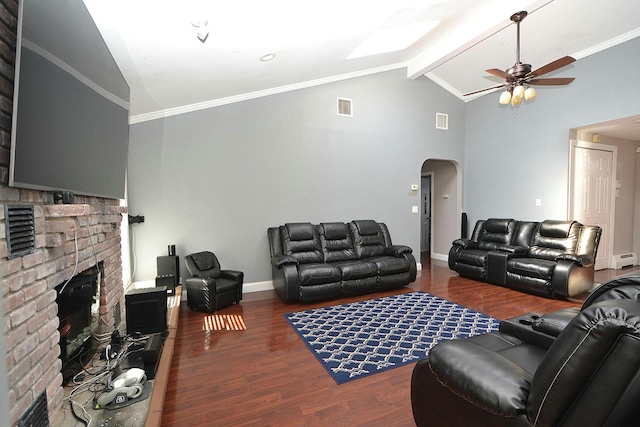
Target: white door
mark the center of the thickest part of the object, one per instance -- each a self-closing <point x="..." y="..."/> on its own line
<point x="592" y="202"/>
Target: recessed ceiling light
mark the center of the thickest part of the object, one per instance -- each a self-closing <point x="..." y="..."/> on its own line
<point x="268" y="57"/>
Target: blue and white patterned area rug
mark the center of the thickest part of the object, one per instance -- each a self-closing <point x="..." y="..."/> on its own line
<point x="362" y="338"/>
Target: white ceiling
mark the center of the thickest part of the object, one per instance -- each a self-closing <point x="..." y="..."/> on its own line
<point x="170" y="71"/>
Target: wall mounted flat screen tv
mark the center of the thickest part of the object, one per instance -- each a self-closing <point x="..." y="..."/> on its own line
<point x="71" y="104"/>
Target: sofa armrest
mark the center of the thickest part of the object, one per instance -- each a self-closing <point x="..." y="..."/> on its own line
<point x="512" y="249"/>
<point x="232" y="274"/>
<point x="481" y="376"/>
<point x="554" y="323"/>
<point x="280" y="260"/>
<point x="397" y="250"/>
<point x="465" y="243"/>
<point x="200" y="283"/>
<point x="570" y="279"/>
<point x="582" y="260"/>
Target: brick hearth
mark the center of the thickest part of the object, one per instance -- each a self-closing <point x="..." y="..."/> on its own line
<point x="29" y="296"/>
<point x="28" y="282"/>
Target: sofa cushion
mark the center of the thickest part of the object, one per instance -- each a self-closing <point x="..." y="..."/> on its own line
<point x="367" y="227"/>
<point x="555" y="238"/>
<point x="390" y="265"/>
<point x="317" y="273"/>
<point x="531" y="267"/>
<point x="496" y="232"/>
<point x="301" y="241"/>
<point x="336" y="242"/>
<point x="473" y="257"/>
<point x="357" y="269"/>
<point x="368" y="239"/>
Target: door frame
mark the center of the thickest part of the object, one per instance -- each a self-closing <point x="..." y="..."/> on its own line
<point x="610" y="263"/>
<point x="430" y="174"/>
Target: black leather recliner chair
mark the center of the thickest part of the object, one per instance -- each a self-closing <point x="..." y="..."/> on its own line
<point x="588" y="376"/>
<point x="211" y="288"/>
<point x="559" y="261"/>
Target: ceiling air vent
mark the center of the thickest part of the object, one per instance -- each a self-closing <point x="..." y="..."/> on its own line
<point x="345" y="107"/>
<point x="442" y="121"/>
<point x="20" y="230"/>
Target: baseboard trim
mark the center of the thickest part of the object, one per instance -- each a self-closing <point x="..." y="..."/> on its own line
<point x="440" y="257"/>
<point x="266" y="285"/>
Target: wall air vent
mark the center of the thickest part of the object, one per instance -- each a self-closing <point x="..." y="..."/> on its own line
<point x="345" y="107"/>
<point x="19" y="229"/>
<point x="442" y="121"/>
<point x="37" y="415"/>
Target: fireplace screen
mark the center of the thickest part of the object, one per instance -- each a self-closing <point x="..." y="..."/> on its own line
<point x="78" y="310"/>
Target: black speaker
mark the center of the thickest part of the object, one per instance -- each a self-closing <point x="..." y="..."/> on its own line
<point x="463" y="228"/>
<point x="168" y="265"/>
<point x="146" y="310"/>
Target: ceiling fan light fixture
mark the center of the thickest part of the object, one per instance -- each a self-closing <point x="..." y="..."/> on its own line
<point x="505" y="97"/>
<point x="516" y="101"/>
<point x="530" y="94"/>
<point x="520" y="76"/>
<point x="518" y="91"/>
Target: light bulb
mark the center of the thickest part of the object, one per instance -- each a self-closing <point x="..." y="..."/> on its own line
<point x="518" y="91"/>
<point x="505" y="97"/>
<point x="530" y="94"/>
<point x="516" y="100"/>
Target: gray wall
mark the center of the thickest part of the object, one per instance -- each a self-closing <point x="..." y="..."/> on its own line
<point x="517" y="156"/>
<point x="625" y="212"/>
<point x="217" y="178"/>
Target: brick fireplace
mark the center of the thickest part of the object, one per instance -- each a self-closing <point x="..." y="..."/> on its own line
<point x="29" y="295"/>
<point x="28" y="281"/>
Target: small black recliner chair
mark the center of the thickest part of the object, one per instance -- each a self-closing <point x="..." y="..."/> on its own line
<point x="211" y="288"/>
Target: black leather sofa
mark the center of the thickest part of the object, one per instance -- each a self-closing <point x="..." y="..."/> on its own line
<point x="587" y="376"/>
<point x="549" y="258"/>
<point x="313" y="262"/>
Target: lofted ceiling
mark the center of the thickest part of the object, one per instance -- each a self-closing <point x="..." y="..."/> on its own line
<point x="170" y="71"/>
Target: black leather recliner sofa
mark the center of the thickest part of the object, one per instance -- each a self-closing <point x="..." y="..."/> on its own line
<point x="589" y="376"/>
<point x="549" y="258"/>
<point x="329" y="260"/>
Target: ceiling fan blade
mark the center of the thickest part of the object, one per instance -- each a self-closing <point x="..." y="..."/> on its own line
<point x="558" y="81"/>
<point x="498" y="73"/>
<point x="551" y="66"/>
<point x="486" y="89"/>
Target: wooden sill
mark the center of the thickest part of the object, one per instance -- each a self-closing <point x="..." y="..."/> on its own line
<point x="156" y="401"/>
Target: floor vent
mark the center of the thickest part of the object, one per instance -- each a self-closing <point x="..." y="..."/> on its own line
<point x="19" y="230"/>
<point x="345" y="107"/>
<point x="442" y="121"/>
<point x="37" y="415"/>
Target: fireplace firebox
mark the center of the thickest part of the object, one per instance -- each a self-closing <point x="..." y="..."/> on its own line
<point x="78" y="311"/>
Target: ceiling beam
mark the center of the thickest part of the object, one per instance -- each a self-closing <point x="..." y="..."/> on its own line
<point x="462" y="36"/>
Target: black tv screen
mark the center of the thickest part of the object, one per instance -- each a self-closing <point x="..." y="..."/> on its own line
<point x="71" y="104"/>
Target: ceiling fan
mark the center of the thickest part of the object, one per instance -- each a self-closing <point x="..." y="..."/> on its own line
<point x="520" y="75"/>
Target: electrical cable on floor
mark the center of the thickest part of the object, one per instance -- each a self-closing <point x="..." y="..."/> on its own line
<point x="77" y="417"/>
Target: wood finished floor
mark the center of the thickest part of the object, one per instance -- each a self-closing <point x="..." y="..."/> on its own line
<point x="266" y="376"/>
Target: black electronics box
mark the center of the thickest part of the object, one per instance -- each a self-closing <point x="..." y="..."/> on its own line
<point x="146" y="310"/>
